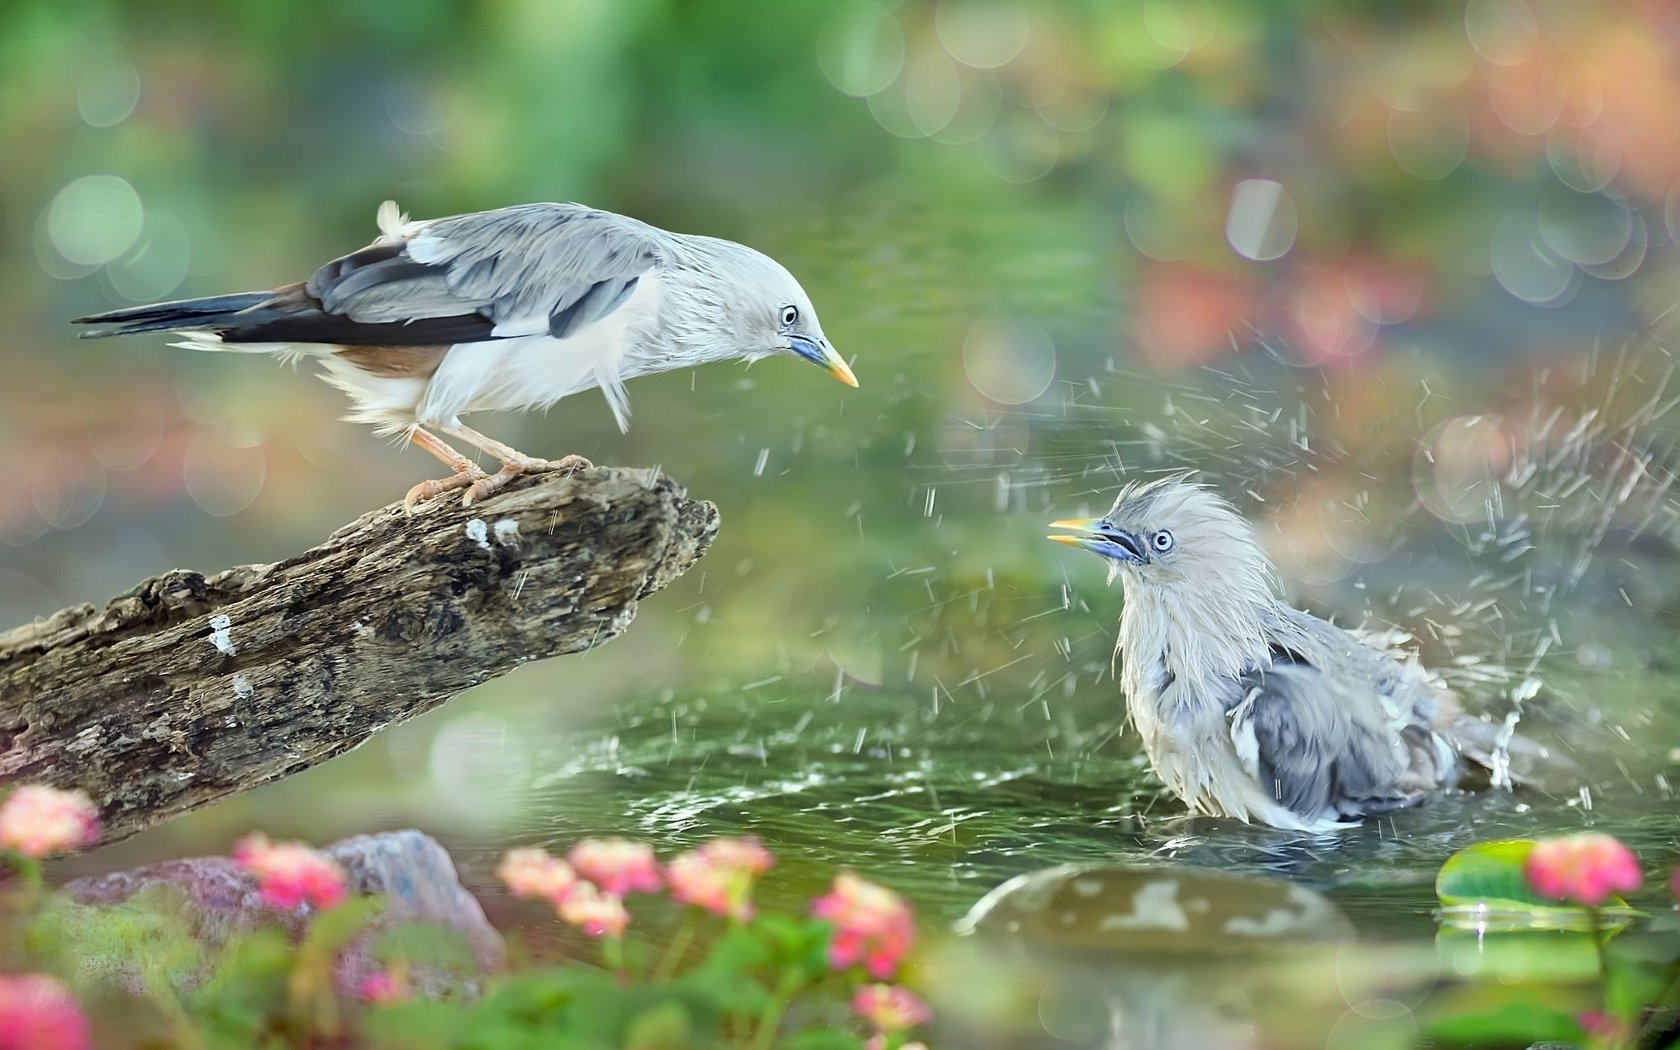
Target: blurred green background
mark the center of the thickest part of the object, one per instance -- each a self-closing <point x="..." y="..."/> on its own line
<point x="1397" y="235"/>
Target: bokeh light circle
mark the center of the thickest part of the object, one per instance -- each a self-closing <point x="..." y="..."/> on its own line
<point x="1009" y="360"/>
<point x="984" y="34"/>
<point x="1587" y="229"/>
<point x="1632" y="257"/>
<point x="932" y="92"/>
<point x="1525" y="267"/>
<point x="861" y="48"/>
<point x="157" y="265"/>
<point x="475" y="751"/>
<point x="1429" y="144"/>
<point x="1178" y="25"/>
<point x="1505" y="32"/>
<point x="1262" y="223"/>
<point x="222" y="478"/>
<point x="1458" y="465"/>
<point x="108" y="94"/>
<point x="95" y="219"/>
<point x="977" y="110"/>
<point x="1020" y="148"/>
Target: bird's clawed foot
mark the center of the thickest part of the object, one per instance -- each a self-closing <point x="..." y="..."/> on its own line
<point x="427" y="489"/>
<point x="486" y="486"/>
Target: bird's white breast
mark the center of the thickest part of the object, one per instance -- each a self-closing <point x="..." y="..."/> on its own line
<point x="536" y="370"/>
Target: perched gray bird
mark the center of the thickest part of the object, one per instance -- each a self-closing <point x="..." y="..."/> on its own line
<point x="1249" y="708"/>
<point x="508" y="309"/>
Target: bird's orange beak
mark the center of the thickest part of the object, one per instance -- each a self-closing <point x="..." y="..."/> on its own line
<point x="839" y="369"/>
<point x="1079" y="525"/>
<point x="818" y="352"/>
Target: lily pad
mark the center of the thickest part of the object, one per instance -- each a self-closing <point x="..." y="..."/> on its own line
<point x="1485" y="887"/>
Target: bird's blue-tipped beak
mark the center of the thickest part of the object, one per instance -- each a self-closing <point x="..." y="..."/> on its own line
<point x="819" y="353"/>
<point x="1099" y="537"/>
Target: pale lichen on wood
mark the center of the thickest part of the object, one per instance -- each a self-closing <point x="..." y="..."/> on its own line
<point x="190" y="688"/>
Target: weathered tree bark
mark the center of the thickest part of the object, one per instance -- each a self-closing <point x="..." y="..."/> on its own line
<point x="188" y="689"/>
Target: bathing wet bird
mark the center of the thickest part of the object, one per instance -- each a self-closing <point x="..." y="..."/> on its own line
<point x="508" y="309"/>
<point x="1247" y="707"/>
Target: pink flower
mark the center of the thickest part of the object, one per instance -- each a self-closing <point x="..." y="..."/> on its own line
<point x="38" y="1013"/>
<point x="617" y="866"/>
<point x="290" y="873"/>
<point x="386" y="986"/>
<point x="1585" y="869"/>
<point x="36" y="820"/>
<point x="595" y="913"/>
<point x="533" y="873"/>
<point x="890" y="1008"/>
<point x="719" y="876"/>
<point x="879" y="1041"/>
<point x="872" y="925"/>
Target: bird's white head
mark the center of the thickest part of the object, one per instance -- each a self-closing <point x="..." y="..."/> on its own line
<point x="751" y="307"/>
<point x="1175" y="534"/>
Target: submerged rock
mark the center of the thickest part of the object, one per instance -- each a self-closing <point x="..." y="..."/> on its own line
<point x="1129" y="957"/>
<point x="1128" y="910"/>
<point x="410" y="870"/>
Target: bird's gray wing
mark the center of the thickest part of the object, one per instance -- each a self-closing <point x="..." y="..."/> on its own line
<point x="1321" y="745"/>
<point x="525" y="270"/>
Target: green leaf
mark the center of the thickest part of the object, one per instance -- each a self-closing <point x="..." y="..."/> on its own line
<point x="1628" y="990"/>
<point x="334" y="928"/>
<point x="418" y="1024"/>
<point x="1517" y="956"/>
<point x="662" y="1027"/>
<point x="250" y="970"/>
<point x="425" y="944"/>
<point x="1492" y="1013"/>
<point x="1488" y="872"/>
<point x="1485" y="887"/>
<point x="822" y="1039"/>
<point x="735" y="957"/>
<point x="798" y="943"/>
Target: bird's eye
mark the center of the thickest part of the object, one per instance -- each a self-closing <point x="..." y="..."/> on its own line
<point x="1162" y="541"/>
<point x="790" y="316"/>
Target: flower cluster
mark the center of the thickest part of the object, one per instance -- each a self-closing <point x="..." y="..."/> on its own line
<point x="889" y="1008"/>
<point x="1583" y="869"/>
<point x="535" y="875"/>
<point x="719" y="876"/>
<point x="589" y="891"/>
<point x="867" y="925"/>
<point x="36" y="820"/>
<point x="290" y="873"/>
<point x="872" y="925"/>
<point x="618" y="866"/>
<point x="384" y="987"/>
<point x="38" y="1013"/>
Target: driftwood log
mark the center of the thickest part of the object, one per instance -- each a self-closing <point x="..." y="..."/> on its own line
<point x="191" y="688"/>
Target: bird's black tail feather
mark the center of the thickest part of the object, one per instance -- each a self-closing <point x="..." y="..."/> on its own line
<point x="211" y="312"/>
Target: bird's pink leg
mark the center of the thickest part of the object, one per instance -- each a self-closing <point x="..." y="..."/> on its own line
<point x="514" y="463"/>
<point x="466" y="472"/>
